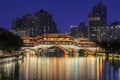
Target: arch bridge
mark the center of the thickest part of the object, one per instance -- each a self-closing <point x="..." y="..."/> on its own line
<point x="67" y="49"/>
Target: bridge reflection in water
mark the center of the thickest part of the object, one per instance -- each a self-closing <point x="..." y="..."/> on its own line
<point x="60" y="68"/>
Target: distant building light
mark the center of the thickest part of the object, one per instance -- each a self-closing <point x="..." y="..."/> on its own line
<point x="93" y="34"/>
<point x="71" y="26"/>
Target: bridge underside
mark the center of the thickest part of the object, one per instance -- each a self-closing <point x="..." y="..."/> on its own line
<point x="85" y="52"/>
<point x="58" y="49"/>
<point x="68" y="50"/>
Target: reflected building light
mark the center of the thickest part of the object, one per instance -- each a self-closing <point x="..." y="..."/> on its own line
<point x="0" y="76"/>
<point x="27" y="67"/>
<point x="7" y="69"/>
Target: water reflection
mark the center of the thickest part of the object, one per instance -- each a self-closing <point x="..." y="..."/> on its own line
<point x="61" y="68"/>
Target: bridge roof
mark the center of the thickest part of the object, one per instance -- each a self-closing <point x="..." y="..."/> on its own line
<point x="27" y="37"/>
<point x="83" y="38"/>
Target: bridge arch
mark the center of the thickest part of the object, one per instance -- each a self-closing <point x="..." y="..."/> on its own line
<point x="28" y="51"/>
<point x="88" y="51"/>
<point x="62" y="48"/>
<point x="41" y="50"/>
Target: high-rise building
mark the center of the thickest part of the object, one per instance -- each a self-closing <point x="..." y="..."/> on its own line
<point x="79" y="31"/>
<point x="34" y="25"/>
<point x="74" y="31"/>
<point x="28" y="23"/>
<point x="20" y="32"/>
<point x="82" y="30"/>
<point x="31" y="24"/>
<point x="111" y="32"/>
<point x="47" y="24"/>
<point x="16" y="23"/>
<point x="97" y="19"/>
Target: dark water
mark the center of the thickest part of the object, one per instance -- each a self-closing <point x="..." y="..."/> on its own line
<point x="61" y="68"/>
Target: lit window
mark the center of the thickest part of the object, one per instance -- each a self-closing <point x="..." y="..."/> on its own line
<point x="93" y="34"/>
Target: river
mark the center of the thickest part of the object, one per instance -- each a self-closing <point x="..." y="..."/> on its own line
<point x="61" y="68"/>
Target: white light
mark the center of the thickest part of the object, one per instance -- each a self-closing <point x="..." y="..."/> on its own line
<point x="71" y="26"/>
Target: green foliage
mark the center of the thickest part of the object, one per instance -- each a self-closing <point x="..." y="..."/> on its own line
<point x="9" y="42"/>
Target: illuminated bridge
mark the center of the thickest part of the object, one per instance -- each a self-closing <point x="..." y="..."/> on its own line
<point x="66" y="48"/>
<point x="47" y="43"/>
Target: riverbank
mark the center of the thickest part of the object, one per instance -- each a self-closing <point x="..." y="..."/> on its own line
<point x="109" y="55"/>
<point x="10" y="57"/>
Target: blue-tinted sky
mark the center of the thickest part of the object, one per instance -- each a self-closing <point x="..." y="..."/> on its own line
<point x="65" y="12"/>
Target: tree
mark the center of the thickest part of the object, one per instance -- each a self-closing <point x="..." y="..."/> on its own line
<point x="104" y="45"/>
<point x="9" y="42"/>
<point x="112" y="46"/>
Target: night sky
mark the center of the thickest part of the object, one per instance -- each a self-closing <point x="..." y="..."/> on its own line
<point x="65" y="12"/>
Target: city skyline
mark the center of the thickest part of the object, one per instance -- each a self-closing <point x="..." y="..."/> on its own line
<point x="64" y="13"/>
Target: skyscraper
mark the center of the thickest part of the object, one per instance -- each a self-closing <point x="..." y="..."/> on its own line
<point x="47" y="24"/>
<point x="97" y="19"/>
<point x="79" y="30"/>
<point x="34" y="25"/>
<point x="82" y="30"/>
<point x="111" y="32"/>
<point x="74" y="31"/>
<point x="28" y="23"/>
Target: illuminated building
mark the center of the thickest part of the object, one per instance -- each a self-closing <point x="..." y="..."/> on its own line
<point x="74" y="31"/>
<point x="47" y="24"/>
<point x="82" y="30"/>
<point x="111" y="32"/>
<point x="57" y="39"/>
<point x="16" y="23"/>
<point x="49" y="39"/>
<point x="79" y="31"/>
<point x="83" y="42"/>
<point x="21" y="33"/>
<point x="97" y="19"/>
<point x="28" y="23"/>
<point x="29" y="41"/>
<point x="35" y="25"/>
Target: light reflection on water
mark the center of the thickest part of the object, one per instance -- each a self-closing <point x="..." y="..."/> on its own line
<point x="61" y="68"/>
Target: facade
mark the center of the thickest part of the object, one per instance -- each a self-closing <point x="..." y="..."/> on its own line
<point x="47" y="24"/>
<point x="16" y="23"/>
<point x="83" y="42"/>
<point x="110" y="32"/>
<point x="29" y="41"/>
<point x="28" y="23"/>
<point x="48" y="39"/>
<point x="97" y="19"/>
<point x="74" y="31"/>
<point x="56" y="39"/>
<point x="21" y="33"/>
<point x="79" y="31"/>
<point x="82" y="30"/>
<point x="35" y="25"/>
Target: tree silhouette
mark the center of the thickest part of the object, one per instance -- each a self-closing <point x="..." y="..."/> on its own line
<point x="9" y="42"/>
